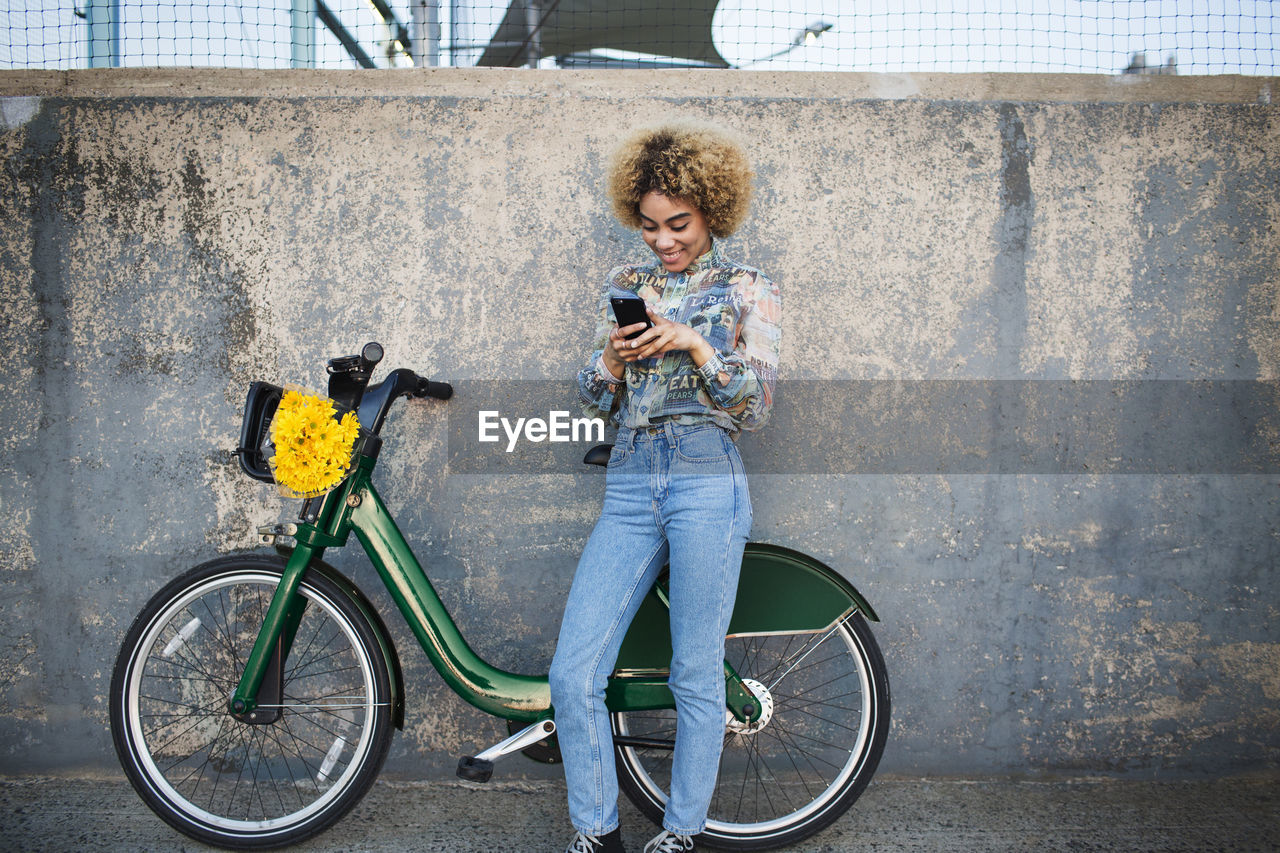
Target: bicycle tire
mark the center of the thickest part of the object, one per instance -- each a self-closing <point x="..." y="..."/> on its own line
<point x="214" y="777"/>
<point x="804" y="765"/>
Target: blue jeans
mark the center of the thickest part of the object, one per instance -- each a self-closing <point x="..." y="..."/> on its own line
<point x="675" y="494"/>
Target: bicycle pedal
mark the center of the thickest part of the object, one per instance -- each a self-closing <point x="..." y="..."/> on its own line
<point x="474" y="769"/>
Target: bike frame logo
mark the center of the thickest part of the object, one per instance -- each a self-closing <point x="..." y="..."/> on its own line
<point x="558" y="427"/>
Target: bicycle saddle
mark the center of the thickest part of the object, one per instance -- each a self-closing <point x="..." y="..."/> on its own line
<point x="598" y="455"/>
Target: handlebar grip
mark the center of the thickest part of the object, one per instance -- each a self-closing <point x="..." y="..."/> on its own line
<point x="439" y="390"/>
<point x="370" y="355"/>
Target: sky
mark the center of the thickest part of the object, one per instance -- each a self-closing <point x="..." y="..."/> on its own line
<point x="1046" y="36"/>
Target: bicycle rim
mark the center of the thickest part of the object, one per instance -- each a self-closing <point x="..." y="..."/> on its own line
<point x="240" y="781"/>
<point x="809" y="758"/>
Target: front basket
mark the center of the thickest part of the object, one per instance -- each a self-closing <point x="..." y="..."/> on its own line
<point x="259" y="408"/>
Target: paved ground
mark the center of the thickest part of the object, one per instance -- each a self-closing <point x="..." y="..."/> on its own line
<point x="898" y="815"/>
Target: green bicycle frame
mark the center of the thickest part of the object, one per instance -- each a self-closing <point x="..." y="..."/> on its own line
<point x="356" y="506"/>
<point x="779" y="590"/>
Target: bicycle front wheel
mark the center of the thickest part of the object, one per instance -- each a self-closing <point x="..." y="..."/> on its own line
<point x="215" y="776"/>
<point x="825" y="721"/>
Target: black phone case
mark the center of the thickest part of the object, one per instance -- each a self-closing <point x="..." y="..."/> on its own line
<point x="629" y="311"/>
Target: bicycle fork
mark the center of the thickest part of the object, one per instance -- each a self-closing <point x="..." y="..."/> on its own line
<point x="257" y="698"/>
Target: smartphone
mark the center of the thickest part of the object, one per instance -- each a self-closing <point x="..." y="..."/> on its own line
<point x="630" y="310"/>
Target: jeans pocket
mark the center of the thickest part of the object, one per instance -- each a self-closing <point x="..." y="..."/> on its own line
<point x="708" y="444"/>
<point x="619" y="456"/>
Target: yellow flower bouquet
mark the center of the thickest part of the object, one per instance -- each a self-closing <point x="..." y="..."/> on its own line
<point x="313" y="446"/>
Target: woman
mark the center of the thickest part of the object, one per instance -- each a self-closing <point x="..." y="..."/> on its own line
<point x="679" y="392"/>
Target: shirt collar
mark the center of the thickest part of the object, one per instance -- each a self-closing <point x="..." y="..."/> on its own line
<point x="710" y="258"/>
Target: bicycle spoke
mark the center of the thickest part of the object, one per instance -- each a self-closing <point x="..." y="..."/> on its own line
<point x="820" y="685"/>
<point x="803" y="700"/>
<point x="164" y="746"/>
<point x="742" y="788"/>
<point x="193" y="665"/>
<point x="818" y="717"/>
<point x="788" y="740"/>
<point x="787" y="749"/>
<point x="199" y="769"/>
<point x="222" y="636"/>
<point x="298" y="658"/>
<point x="312" y="770"/>
<point x="819" y="742"/>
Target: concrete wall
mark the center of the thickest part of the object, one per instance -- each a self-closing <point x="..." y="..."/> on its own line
<point x="1079" y="580"/>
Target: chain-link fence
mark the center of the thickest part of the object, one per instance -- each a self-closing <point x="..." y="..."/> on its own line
<point x="1133" y="36"/>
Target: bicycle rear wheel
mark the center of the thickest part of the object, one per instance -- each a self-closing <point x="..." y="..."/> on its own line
<point x="804" y="763"/>
<point x="214" y="776"/>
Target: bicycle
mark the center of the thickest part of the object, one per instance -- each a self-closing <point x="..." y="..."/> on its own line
<point x="254" y="697"/>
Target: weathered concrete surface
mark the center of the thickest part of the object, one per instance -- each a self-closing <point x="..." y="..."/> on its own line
<point x="167" y="237"/>
<point x="919" y="816"/>
<point x="237" y="82"/>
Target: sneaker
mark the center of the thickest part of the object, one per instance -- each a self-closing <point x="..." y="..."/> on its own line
<point x="583" y="843"/>
<point x="669" y="842"/>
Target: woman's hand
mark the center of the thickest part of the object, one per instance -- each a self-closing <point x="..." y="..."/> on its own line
<point x="665" y="336"/>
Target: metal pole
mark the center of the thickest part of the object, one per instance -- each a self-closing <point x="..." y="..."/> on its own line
<point x="104" y="33"/>
<point x="303" y="32"/>
<point x="425" y="24"/>
<point x="532" y="18"/>
<point x="460" y="33"/>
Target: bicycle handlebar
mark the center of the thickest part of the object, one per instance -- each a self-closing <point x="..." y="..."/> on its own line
<point x="349" y="385"/>
<point x="350" y="389"/>
<point x="439" y="390"/>
<point x="373" y="402"/>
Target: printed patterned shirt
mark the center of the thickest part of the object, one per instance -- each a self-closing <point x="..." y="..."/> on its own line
<point x="739" y="312"/>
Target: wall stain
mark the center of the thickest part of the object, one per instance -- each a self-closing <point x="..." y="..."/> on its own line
<point x="1013" y="241"/>
<point x="224" y="279"/>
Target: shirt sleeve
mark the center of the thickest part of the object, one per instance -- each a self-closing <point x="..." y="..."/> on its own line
<point x="741" y="382"/>
<point x="597" y="389"/>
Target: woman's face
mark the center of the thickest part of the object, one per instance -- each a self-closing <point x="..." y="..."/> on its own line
<point x="676" y="231"/>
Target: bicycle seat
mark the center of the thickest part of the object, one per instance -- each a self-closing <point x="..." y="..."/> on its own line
<point x="598" y="455"/>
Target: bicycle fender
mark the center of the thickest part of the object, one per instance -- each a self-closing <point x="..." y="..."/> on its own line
<point x="779" y="590"/>
<point x="360" y="600"/>
<point x="785" y="590"/>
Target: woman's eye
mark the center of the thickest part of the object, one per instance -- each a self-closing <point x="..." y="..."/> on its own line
<point x="678" y="228"/>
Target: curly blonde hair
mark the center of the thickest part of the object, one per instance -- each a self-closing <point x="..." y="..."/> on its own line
<point x="699" y="164"/>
